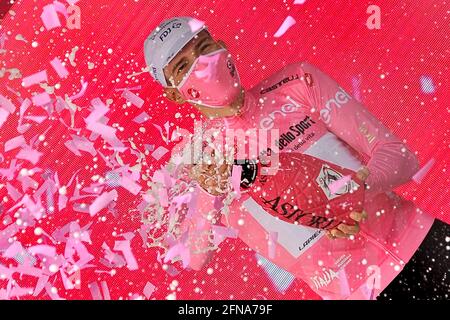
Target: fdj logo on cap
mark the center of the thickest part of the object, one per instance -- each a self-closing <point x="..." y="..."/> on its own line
<point x="166" y="32"/>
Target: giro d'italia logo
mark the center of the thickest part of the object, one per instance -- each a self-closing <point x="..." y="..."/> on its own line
<point x="193" y="93"/>
<point x="327" y="176"/>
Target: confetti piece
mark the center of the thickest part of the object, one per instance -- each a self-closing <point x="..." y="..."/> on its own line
<point x="338" y="184"/>
<point x="29" y="154"/>
<point x="221" y="233"/>
<point x="141" y="118"/>
<point x="20" y="37"/>
<point x="236" y="180"/>
<point x="41" y="99"/>
<point x="105" y="290"/>
<point x="273" y="238"/>
<point x="3" y="116"/>
<point x="299" y="1"/>
<point x="149" y="147"/>
<point x="95" y="291"/>
<point x="356" y="84"/>
<point x="6" y="104"/>
<point x="35" y="78"/>
<point x="49" y="17"/>
<point x="129" y="88"/>
<point x="61" y="8"/>
<point x="124" y="246"/>
<point x="82" y="91"/>
<point x="72" y="56"/>
<point x="102" y="201"/>
<point x="45" y="250"/>
<point x="133" y="98"/>
<point x="287" y="23"/>
<point x="37" y="119"/>
<point x="159" y="152"/>
<point x="130" y="185"/>
<point x="418" y="177"/>
<point x="14" y="143"/>
<point x="59" y="68"/>
<point x="148" y="289"/>
<point x="195" y="24"/>
<point x="3" y="38"/>
<point x="179" y="250"/>
<point x="427" y="84"/>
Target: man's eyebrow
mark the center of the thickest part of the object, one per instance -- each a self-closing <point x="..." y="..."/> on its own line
<point x="181" y="60"/>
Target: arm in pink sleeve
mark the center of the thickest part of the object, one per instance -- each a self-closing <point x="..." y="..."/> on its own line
<point x="391" y="162"/>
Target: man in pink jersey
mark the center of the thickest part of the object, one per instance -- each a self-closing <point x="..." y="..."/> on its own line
<point x="314" y="116"/>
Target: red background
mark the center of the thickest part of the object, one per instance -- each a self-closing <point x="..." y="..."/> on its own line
<point x="413" y="41"/>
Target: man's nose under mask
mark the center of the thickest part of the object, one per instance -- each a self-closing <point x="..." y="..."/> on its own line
<point x="212" y="80"/>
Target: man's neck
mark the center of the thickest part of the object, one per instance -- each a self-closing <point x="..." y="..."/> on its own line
<point x="228" y="111"/>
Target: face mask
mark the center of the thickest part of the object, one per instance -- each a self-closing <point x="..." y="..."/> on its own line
<point x="212" y="80"/>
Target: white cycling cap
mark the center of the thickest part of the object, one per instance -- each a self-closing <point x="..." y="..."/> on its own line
<point x="166" y="41"/>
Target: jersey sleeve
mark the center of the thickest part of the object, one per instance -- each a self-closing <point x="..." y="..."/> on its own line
<point x="391" y="163"/>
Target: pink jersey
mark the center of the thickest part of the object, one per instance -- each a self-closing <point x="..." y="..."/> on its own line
<point x="316" y="116"/>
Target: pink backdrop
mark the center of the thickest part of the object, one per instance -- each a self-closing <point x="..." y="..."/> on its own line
<point x="400" y="72"/>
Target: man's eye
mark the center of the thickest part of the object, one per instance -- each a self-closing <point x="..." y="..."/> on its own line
<point x="181" y="67"/>
<point x="204" y="47"/>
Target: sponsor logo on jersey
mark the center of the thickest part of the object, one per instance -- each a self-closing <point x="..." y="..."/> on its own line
<point x="280" y="83"/>
<point x="340" y="98"/>
<point x="294" y="131"/>
<point x="267" y="123"/>
<point x="327" y="176"/>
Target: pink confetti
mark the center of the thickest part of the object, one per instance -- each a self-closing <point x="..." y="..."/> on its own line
<point x="38" y="77"/>
<point x="29" y="154"/>
<point x="59" y="68"/>
<point x="356" y="84"/>
<point x="273" y="237"/>
<point x="61" y="8"/>
<point x="105" y="290"/>
<point x="133" y="98"/>
<point x="180" y="250"/>
<point x="14" y="143"/>
<point x="3" y="116"/>
<point x="166" y="127"/>
<point x="129" y="88"/>
<point x="45" y="250"/>
<point x="418" y="177"/>
<point x="336" y="185"/>
<point x="41" y="99"/>
<point x="6" y="104"/>
<point x="49" y="17"/>
<point x="130" y="185"/>
<point x="221" y="233"/>
<point x="141" y="118"/>
<point x="148" y="289"/>
<point x="195" y="24"/>
<point x="37" y="119"/>
<point x="236" y="180"/>
<point x="124" y="246"/>
<point x="82" y="91"/>
<point x="159" y="152"/>
<point x="95" y="291"/>
<point x="102" y="202"/>
<point x="299" y="1"/>
<point x="287" y="23"/>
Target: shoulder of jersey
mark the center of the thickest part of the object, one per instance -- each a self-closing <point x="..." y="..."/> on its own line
<point x="285" y="77"/>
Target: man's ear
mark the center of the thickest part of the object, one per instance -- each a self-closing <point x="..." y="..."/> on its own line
<point x="173" y="95"/>
<point x="222" y="44"/>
